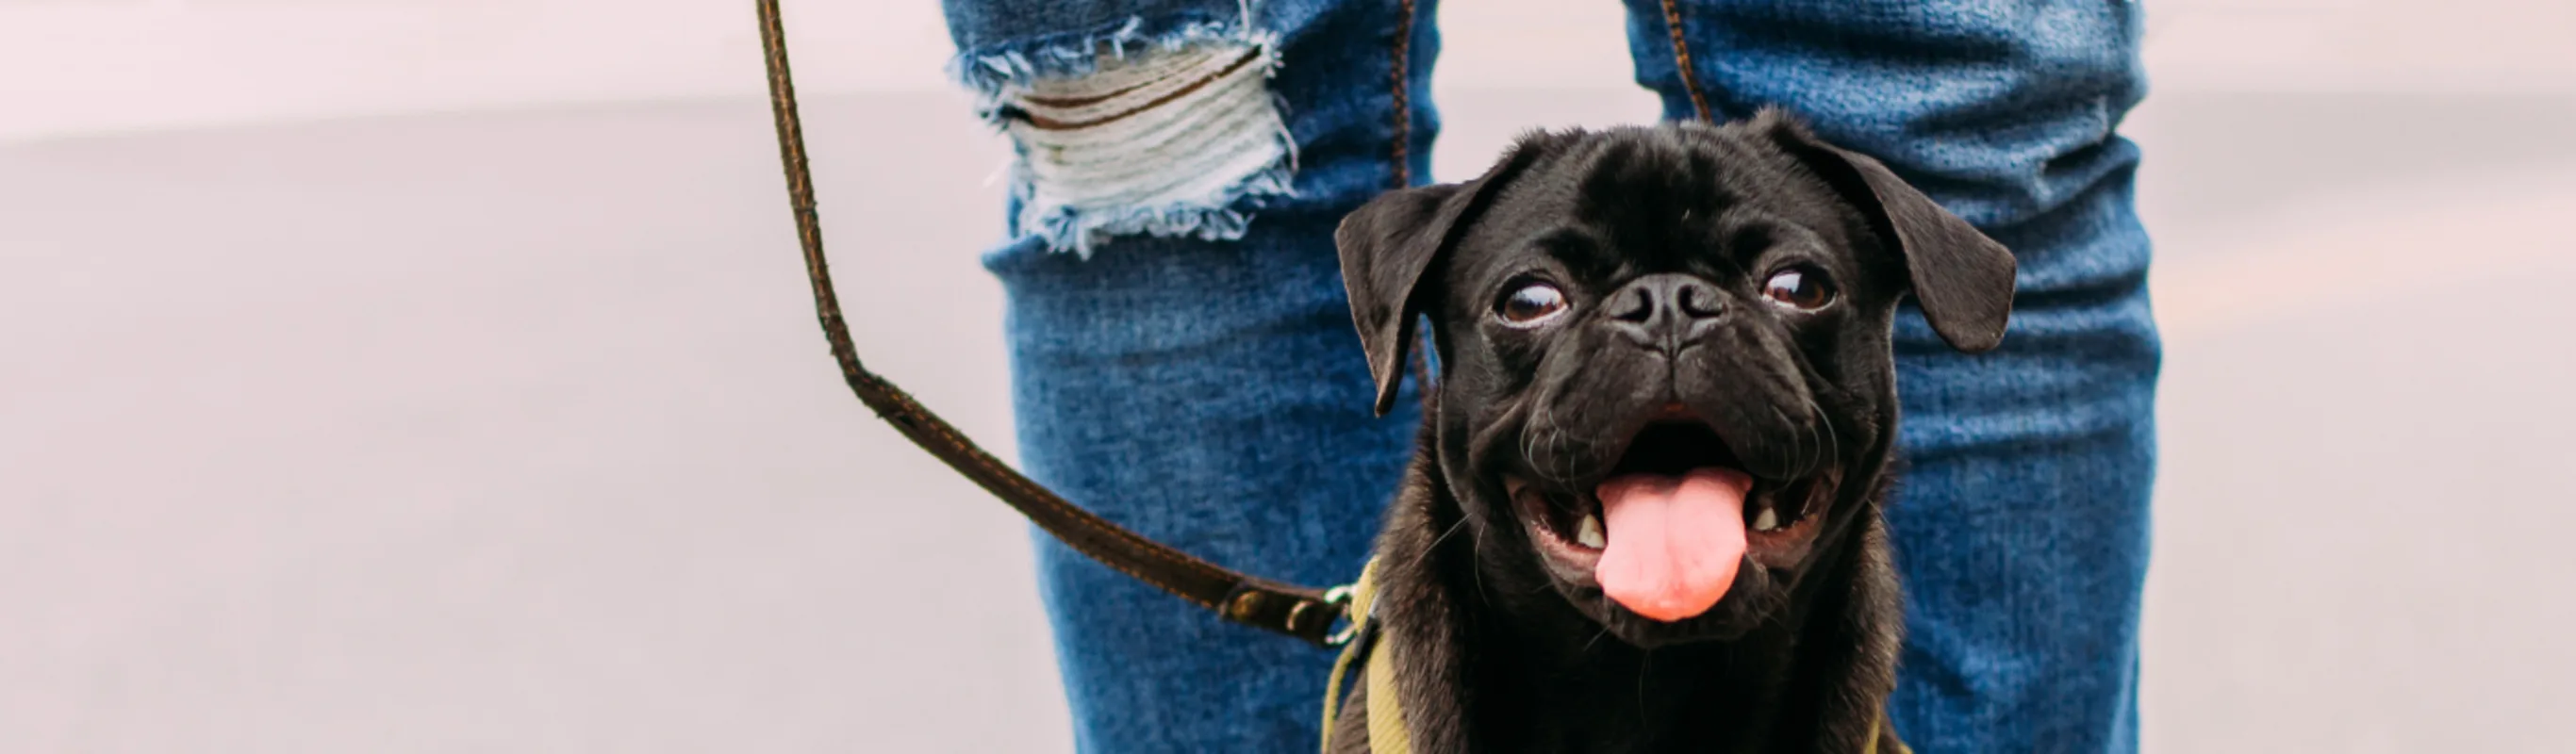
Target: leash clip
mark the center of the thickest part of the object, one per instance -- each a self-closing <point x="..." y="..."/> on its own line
<point x="1340" y="596"/>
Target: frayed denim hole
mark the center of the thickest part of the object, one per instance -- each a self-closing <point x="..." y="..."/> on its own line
<point x="1176" y="137"/>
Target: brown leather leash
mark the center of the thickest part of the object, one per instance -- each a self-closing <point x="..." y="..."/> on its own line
<point x="1293" y="610"/>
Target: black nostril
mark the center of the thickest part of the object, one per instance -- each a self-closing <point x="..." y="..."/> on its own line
<point x="1638" y="305"/>
<point x="1698" y="302"/>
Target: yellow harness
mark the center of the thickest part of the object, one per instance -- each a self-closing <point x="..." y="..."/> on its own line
<point x="1386" y="731"/>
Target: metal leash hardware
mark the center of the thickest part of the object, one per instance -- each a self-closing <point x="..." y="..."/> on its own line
<point x="1293" y="610"/>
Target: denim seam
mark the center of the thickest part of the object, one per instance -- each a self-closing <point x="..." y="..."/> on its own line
<point x="1403" y="95"/>
<point x="1682" y="60"/>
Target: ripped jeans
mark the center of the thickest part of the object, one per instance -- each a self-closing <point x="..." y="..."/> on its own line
<point x="1183" y="361"/>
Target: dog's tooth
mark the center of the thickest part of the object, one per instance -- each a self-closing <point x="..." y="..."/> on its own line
<point x="1589" y="534"/>
<point x="1768" y="520"/>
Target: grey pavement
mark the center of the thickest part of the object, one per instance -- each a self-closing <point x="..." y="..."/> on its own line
<point x="512" y="431"/>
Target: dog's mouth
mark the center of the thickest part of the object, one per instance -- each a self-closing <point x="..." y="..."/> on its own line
<point x="1667" y="528"/>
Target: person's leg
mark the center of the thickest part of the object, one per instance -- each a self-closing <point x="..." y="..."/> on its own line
<point x="2021" y="525"/>
<point x="1182" y="357"/>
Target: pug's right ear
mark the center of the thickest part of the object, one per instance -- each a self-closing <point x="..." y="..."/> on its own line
<point x="1390" y="245"/>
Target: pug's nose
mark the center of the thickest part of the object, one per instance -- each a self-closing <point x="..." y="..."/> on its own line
<point x="1666" y="311"/>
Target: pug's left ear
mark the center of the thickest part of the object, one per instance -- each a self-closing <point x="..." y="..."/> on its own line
<point x="1963" y="279"/>
<point x="1390" y="244"/>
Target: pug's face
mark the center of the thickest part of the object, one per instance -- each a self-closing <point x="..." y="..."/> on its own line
<point x="1666" y="385"/>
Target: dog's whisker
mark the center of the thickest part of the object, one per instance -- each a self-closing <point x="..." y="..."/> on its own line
<point x="1476" y="535"/>
<point x="1797" y="450"/>
<point x="1557" y="442"/>
<point x="1797" y="438"/>
<point x="1815" y="439"/>
<point x="1528" y="435"/>
<point x="1545" y="432"/>
<point x="1534" y="421"/>
<point x="1833" y="441"/>
<point x="1444" y="537"/>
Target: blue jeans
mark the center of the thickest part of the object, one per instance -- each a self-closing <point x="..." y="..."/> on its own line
<point x="1193" y="372"/>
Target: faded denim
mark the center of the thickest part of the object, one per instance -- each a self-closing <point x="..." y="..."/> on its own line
<point x="1211" y="393"/>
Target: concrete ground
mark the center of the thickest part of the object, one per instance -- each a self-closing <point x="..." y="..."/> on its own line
<point x="512" y="431"/>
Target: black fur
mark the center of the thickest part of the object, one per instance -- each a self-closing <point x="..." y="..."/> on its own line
<point x="1505" y="652"/>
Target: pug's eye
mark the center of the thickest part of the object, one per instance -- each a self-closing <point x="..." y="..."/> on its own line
<point x="1530" y="304"/>
<point x="1800" y="287"/>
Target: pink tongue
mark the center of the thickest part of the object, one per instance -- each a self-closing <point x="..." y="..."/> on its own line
<point x="1674" y="542"/>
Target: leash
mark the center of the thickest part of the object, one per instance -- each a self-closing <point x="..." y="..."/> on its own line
<point x="1260" y="603"/>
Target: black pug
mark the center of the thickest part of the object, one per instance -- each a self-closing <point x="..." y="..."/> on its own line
<point x="1645" y="513"/>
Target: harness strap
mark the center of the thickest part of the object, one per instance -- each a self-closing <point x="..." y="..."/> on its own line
<point x="1387" y="733"/>
<point x="1363" y="631"/>
<point x="1293" y="610"/>
<point x="1876" y="725"/>
<point x="1375" y="648"/>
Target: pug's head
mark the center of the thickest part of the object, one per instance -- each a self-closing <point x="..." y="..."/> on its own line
<point x="1665" y="381"/>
